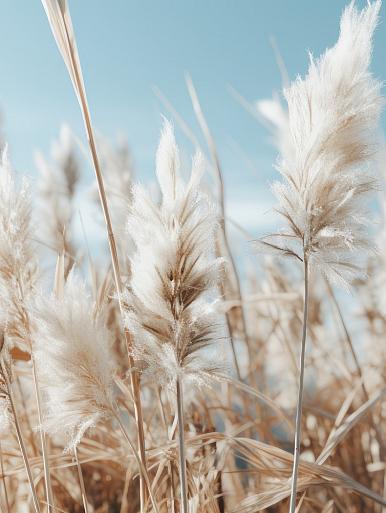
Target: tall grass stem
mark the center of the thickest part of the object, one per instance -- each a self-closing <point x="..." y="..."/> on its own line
<point x="76" y="76"/>
<point x="298" y="423"/>
<point x="181" y="445"/>
<point x="81" y="481"/>
<point x="23" y="451"/>
<point x="142" y="468"/>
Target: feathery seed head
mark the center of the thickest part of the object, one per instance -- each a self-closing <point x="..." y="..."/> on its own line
<point x="57" y="186"/>
<point x="326" y="150"/>
<point x="15" y="209"/>
<point x="174" y="272"/>
<point x="17" y="261"/>
<point x="71" y="347"/>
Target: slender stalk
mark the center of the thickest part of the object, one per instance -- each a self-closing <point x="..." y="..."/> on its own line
<point x="43" y="442"/>
<point x="46" y="470"/>
<point x="169" y="464"/>
<point x="233" y="348"/>
<point x="31" y="438"/>
<point x="142" y="469"/>
<point x="181" y="444"/>
<point x="134" y="379"/>
<point x="3" y="479"/>
<point x="23" y="452"/>
<point x="125" y="501"/>
<point x="223" y="228"/>
<point x="299" y="405"/>
<point x="81" y="481"/>
<point x="172" y="487"/>
<point x="348" y="338"/>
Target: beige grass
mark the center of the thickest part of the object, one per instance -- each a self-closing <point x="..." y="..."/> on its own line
<point x="129" y="354"/>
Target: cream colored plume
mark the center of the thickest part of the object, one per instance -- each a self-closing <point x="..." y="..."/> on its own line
<point x="327" y="143"/>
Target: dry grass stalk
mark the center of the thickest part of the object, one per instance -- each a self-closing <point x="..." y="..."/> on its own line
<point x="225" y="246"/>
<point x="173" y="270"/>
<point x="10" y="416"/>
<point x="60" y="20"/>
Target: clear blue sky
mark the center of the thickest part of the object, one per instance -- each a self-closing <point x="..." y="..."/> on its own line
<point x="127" y="47"/>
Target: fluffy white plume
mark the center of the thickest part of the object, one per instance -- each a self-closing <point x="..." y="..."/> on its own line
<point x="71" y="347"/>
<point x="17" y="261"/>
<point x="174" y="273"/>
<point x="326" y="149"/>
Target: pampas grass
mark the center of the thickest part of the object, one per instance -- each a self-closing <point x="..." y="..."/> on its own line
<point x="326" y="143"/>
<point x="17" y="258"/>
<point x="171" y="295"/>
<point x="17" y="282"/>
<point x="173" y="270"/>
<point x="72" y="349"/>
<point x="326" y="140"/>
<point x="57" y="187"/>
<point x="166" y="383"/>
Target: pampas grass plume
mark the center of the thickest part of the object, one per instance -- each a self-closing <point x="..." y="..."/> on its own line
<point x="174" y="273"/>
<point x="327" y="144"/>
<point x="71" y="347"/>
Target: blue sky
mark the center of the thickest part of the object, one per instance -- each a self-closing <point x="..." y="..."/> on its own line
<point x="127" y="47"/>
